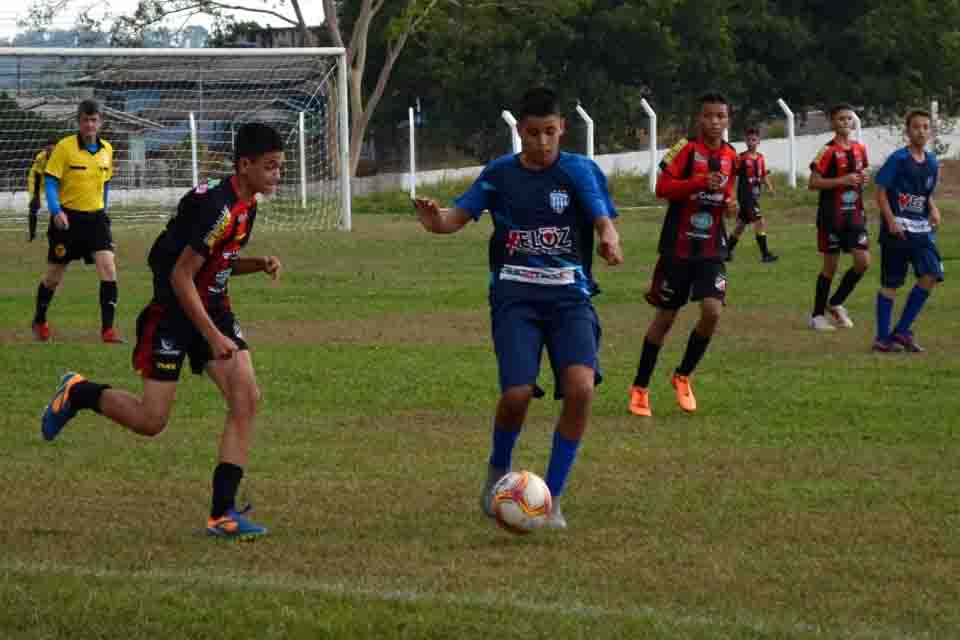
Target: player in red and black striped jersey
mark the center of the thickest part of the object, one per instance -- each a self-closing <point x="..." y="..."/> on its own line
<point x="752" y="177"/>
<point x="839" y="173"/>
<point x="190" y="315"/>
<point x="697" y="178"/>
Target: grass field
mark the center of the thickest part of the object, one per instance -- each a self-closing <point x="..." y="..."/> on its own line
<point x="815" y="494"/>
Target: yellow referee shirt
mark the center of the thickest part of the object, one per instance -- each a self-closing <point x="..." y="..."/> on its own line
<point x="82" y="174"/>
<point x="35" y="176"/>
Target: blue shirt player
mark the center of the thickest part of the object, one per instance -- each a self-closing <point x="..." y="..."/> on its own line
<point x="546" y="207"/>
<point x="905" y="188"/>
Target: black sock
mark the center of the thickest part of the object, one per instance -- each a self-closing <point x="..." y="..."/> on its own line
<point x="850" y="280"/>
<point x="696" y="347"/>
<point x="762" y="243"/>
<point x="226" y="481"/>
<point x="44" y="296"/>
<point x="732" y="242"/>
<point x="648" y="361"/>
<point x="86" y="395"/>
<point x="32" y="222"/>
<point x="108" y="303"/>
<point x="823" y="291"/>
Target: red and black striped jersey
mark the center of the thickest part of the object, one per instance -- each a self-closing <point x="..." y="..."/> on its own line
<point x="693" y="228"/>
<point x="214" y="222"/>
<point x="753" y="169"/>
<point x="842" y="207"/>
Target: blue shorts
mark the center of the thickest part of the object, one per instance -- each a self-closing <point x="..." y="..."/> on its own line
<point x="569" y="329"/>
<point x="894" y="262"/>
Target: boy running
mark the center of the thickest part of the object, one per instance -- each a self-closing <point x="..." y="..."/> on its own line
<point x="697" y="178"/>
<point x="838" y="174"/>
<point x="191" y="314"/>
<point x="546" y="206"/>
<point x="905" y="186"/>
<point x="35" y="187"/>
<point x="751" y="177"/>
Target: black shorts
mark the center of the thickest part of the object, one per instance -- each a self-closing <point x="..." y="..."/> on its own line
<point x="165" y="336"/>
<point x="87" y="234"/>
<point x="675" y="281"/>
<point x="845" y="240"/>
<point x="749" y="211"/>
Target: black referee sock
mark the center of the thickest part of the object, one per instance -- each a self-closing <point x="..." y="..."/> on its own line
<point x="86" y="395"/>
<point x="849" y="282"/>
<point x="226" y="481"/>
<point x="44" y="296"/>
<point x="696" y="347"/>
<point x="823" y="291"/>
<point x="762" y="243"/>
<point x="648" y="361"/>
<point x="108" y="303"/>
<point x="732" y="242"/>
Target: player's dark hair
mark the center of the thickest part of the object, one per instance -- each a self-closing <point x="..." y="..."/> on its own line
<point x="52" y="142"/>
<point x="88" y="107"/>
<point x="840" y="106"/>
<point x="255" y="139"/>
<point x="753" y="131"/>
<point x="538" y="102"/>
<point x="918" y="113"/>
<point x="713" y="97"/>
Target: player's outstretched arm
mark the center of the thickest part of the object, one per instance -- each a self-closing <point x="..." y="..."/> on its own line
<point x="182" y="279"/>
<point x="437" y="220"/>
<point x="608" y="241"/>
<point x="269" y="265"/>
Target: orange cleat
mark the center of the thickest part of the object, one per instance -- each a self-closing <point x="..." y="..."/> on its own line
<point x="685" y="397"/>
<point x="41" y="331"/>
<point x="640" y="401"/>
<point x="110" y="336"/>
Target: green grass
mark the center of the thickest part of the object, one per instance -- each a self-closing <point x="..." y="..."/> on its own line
<point x="815" y="494"/>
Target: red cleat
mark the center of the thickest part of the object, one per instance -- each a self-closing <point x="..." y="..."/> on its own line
<point x="41" y="331"/>
<point x="110" y="336"/>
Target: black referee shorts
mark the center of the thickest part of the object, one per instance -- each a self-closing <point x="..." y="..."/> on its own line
<point x="87" y="234"/>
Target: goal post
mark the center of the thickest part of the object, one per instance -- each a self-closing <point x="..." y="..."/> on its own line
<point x="171" y="116"/>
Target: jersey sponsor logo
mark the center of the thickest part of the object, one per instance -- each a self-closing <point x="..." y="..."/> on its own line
<point x="849" y="200"/>
<point x="168" y="347"/>
<point x="702" y="221"/>
<point x="220" y="281"/>
<point x="910" y="203"/>
<point x="219" y="228"/>
<point x="167" y="366"/>
<point x="711" y="198"/>
<point x="542" y="241"/>
<point x="549" y="276"/>
<point x="914" y="226"/>
<point x="559" y="201"/>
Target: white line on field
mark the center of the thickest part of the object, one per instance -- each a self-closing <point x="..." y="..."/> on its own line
<point x="285" y="583"/>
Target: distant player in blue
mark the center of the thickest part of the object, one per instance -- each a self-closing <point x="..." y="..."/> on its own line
<point x="908" y="236"/>
<point x="546" y="206"/>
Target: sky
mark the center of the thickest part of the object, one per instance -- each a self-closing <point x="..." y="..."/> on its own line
<point x="13" y="10"/>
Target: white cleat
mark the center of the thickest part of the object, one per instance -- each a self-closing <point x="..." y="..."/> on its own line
<point x="486" y="496"/>
<point x="840" y="317"/>
<point x="820" y="323"/>
<point x="556" y="519"/>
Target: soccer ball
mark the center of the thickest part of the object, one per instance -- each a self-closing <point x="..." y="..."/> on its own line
<point x="521" y="502"/>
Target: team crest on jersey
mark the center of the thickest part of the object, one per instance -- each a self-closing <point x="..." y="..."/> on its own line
<point x="559" y="201"/>
<point x="168" y="347"/>
<point x="60" y="250"/>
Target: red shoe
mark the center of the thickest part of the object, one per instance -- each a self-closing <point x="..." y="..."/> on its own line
<point x="41" y="331"/>
<point x="110" y="336"/>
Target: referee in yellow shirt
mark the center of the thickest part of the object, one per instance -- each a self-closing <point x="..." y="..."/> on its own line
<point x="35" y="185"/>
<point x="77" y="186"/>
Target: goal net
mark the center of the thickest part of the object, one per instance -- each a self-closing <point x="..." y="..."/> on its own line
<point x="171" y="116"/>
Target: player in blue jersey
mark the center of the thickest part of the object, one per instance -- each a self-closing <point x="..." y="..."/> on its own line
<point x="905" y="188"/>
<point x="546" y="207"/>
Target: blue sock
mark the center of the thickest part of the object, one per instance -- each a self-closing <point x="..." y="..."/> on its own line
<point x="503" y="442"/>
<point x="561" y="460"/>
<point x="918" y="296"/>
<point x="884" y="316"/>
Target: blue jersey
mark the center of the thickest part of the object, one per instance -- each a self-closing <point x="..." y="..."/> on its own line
<point x="909" y="185"/>
<point x="542" y="242"/>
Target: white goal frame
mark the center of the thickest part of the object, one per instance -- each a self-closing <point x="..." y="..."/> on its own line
<point x="342" y="116"/>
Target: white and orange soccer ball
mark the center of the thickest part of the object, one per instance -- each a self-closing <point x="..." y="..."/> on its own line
<point x="521" y="502"/>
